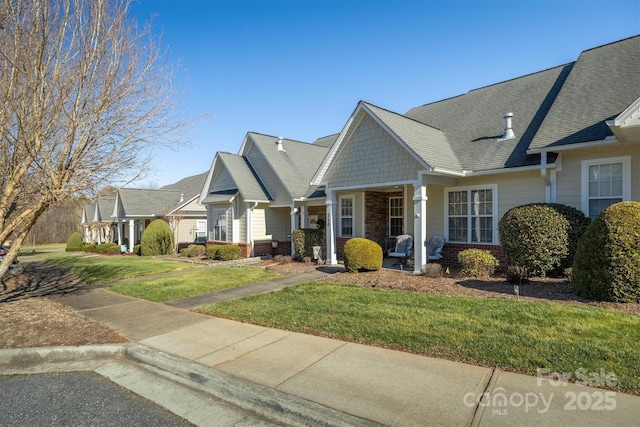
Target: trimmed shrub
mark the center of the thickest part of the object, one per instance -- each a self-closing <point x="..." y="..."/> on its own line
<point x="157" y="239"/>
<point x="362" y="255"/>
<point x="88" y="247"/>
<point x="477" y="262"/>
<point x="607" y="262"/>
<point x="432" y="270"/>
<point x="534" y="237"/>
<point x="304" y="239"/>
<point x="223" y="252"/>
<point x="74" y="243"/>
<point x="298" y="241"/>
<point x="108" y="248"/>
<point x="193" y="251"/>
<point x="578" y="223"/>
<point x="137" y="249"/>
<point x="211" y="251"/>
<point x="282" y="259"/>
<point x="228" y="252"/>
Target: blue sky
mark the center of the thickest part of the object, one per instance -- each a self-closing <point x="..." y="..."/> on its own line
<point x="297" y="68"/>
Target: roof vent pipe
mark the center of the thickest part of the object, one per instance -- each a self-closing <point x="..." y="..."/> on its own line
<point x="508" y="131"/>
<point x="181" y="198"/>
<point x="280" y="147"/>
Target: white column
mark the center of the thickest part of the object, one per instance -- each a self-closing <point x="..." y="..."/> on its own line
<point x="132" y="236"/>
<point x="419" y="226"/>
<point x="119" y="232"/>
<point x="294" y="225"/>
<point x="332" y="258"/>
<point x="249" y="229"/>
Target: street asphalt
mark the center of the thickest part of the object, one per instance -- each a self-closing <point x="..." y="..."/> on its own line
<point x="215" y="372"/>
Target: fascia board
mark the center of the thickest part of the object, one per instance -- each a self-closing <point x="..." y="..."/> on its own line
<point x="328" y="160"/>
<point x="207" y="182"/>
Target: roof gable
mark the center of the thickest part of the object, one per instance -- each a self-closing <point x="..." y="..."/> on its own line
<point x="135" y="202"/>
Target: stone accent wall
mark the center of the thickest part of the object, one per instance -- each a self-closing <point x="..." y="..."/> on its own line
<point x="376" y="211"/>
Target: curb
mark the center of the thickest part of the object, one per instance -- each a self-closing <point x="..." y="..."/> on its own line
<point x="267" y="402"/>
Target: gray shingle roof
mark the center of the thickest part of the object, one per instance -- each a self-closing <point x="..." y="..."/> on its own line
<point x="105" y="207"/>
<point x="137" y="202"/>
<point x="472" y="123"/>
<point x="295" y="166"/>
<point x="326" y="141"/>
<point x="244" y="177"/>
<point x="189" y="186"/>
<point x="603" y="82"/>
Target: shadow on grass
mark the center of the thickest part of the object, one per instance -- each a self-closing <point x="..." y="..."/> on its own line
<point x="39" y="279"/>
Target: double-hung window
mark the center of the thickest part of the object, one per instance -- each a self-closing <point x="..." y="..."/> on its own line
<point x="220" y="223"/>
<point x="471" y="214"/>
<point x="396" y="215"/>
<point x="346" y="216"/>
<point x="605" y="182"/>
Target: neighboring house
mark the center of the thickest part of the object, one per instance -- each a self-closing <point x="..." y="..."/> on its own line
<point x="569" y="134"/>
<point x="257" y="197"/>
<point x="123" y="217"/>
<point x="188" y="218"/>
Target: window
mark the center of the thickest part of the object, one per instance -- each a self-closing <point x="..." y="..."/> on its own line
<point x="471" y="214"/>
<point x="346" y="216"/>
<point x="219" y="224"/>
<point x="605" y="182"/>
<point x="396" y="216"/>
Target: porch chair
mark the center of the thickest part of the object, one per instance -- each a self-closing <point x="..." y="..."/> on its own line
<point x="434" y="248"/>
<point x="403" y="248"/>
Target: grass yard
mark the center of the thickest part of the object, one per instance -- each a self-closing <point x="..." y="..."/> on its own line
<point x="105" y="269"/>
<point x="191" y="283"/>
<point x="513" y="335"/>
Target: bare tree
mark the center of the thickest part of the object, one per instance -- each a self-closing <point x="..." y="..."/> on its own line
<point x="84" y="96"/>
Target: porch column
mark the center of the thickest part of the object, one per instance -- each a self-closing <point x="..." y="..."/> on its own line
<point x="249" y="229"/>
<point x="419" y="226"/>
<point x="294" y="225"/>
<point x="131" y="235"/>
<point x="119" y="232"/>
<point x="332" y="259"/>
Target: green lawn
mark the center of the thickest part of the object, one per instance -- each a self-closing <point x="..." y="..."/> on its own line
<point x="105" y="269"/>
<point x="511" y="334"/>
<point x="191" y="283"/>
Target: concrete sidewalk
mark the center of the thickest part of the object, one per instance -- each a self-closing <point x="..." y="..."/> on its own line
<point x="344" y="383"/>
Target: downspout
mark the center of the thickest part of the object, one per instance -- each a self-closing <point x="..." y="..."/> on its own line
<point x="548" y="177"/>
<point x="249" y="226"/>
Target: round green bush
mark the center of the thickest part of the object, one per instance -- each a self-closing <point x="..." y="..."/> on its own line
<point x="74" y="243"/>
<point x="578" y="223"/>
<point x="108" y="248"/>
<point x="534" y="237"/>
<point x="477" y="262"/>
<point x="362" y="255"/>
<point x="607" y="262"/>
<point x="157" y="239"/>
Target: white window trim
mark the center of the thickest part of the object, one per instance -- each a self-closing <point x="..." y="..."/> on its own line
<point x="494" y="211"/>
<point x="402" y="217"/>
<point x="353" y="214"/>
<point x="584" y="178"/>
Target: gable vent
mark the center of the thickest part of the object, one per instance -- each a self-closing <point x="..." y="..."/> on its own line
<point x="508" y="131"/>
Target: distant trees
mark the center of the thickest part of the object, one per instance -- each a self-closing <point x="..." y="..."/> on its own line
<point x="84" y="95"/>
